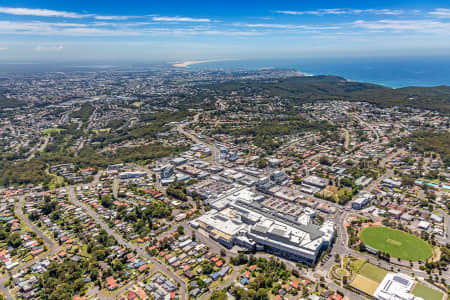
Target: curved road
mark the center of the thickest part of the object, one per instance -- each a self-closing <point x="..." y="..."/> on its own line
<point x="224" y="284"/>
<point x="48" y="241"/>
<point x="214" y="150"/>
<point x="52" y="247"/>
<point x="157" y="265"/>
<point x="364" y="123"/>
<point x="341" y="247"/>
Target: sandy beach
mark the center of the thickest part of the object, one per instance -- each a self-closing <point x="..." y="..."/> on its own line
<point x="191" y="62"/>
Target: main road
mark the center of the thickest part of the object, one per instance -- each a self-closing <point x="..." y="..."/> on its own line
<point x="375" y="132"/>
<point x="214" y="150"/>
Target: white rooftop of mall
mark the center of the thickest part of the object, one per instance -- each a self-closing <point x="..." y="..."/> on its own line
<point x="240" y="219"/>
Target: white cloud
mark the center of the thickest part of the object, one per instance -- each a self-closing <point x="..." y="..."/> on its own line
<point x="419" y="26"/>
<point x="285" y="26"/>
<point x="122" y="29"/>
<point x="184" y="32"/>
<point x="62" y="29"/>
<point x="341" y="11"/>
<point x="319" y="12"/>
<point x="393" y="12"/>
<point x="180" y="19"/>
<point x="49" y="48"/>
<point x="40" y="12"/>
<point x="113" y="18"/>
<point x="59" y="24"/>
<point x="3" y="48"/>
<point x="41" y="28"/>
<point x="23" y="27"/>
<point x="441" y="12"/>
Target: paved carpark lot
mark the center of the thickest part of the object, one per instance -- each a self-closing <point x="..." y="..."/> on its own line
<point x="283" y="206"/>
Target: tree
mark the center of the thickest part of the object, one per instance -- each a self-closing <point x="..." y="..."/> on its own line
<point x="261" y="294"/>
<point x="219" y="295"/>
<point x="408" y="181"/>
<point x="180" y="230"/>
<point x="261" y="163"/>
<point x="49" y="207"/>
<point x="239" y="260"/>
<point x="207" y="268"/>
<point x="117" y="265"/>
<point x="106" y="201"/>
<point x="14" y="240"/>
<point x="325" y="160"/>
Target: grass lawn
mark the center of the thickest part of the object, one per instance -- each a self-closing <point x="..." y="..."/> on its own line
<point x="395" y="242"/>
<point x="51" y="130"/>
<point x="342" y="272"/>
<point x="101" y="130"/>
<point x="355" y="263"/>
<point x="372" y="272"/>
<point x="28" y="258"/>
<point x="426" y="293"/>
<point x="137" y="104"/>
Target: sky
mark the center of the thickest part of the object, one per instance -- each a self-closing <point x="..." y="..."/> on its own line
<point x="173" y="31"/>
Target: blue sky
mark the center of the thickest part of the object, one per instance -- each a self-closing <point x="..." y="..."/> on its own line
<point x="201" y="30"/>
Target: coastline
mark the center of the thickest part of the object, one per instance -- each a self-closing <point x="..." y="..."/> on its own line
<point x="186" y="64"/>
<point x="389" y="72"/>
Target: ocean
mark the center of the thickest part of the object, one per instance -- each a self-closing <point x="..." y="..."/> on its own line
<point x="394" y="72"/>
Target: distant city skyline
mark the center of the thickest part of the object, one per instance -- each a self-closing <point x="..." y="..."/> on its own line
<point x="185" y="30"/>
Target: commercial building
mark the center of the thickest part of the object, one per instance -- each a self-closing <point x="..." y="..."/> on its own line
<point x="279" y="177"/>
<point x="115" y="167"/>
<point x="264" y="185"/>
<point x="315" y="181"/>
<point x="242" y="220"/>
<point x="362" y="200"/>
<point x="127" y="175"/>
<point x="363" y="181"/>
<point x="436" y="218"/>
<point x="167" y="181"/>
<point x="424" y="225"/>
<point x="274" y="162"/>
<point x="288" y="194"/>
<point x="396" y="287"/>
<point x="211" y="189"/>
<point x="201" y="149"/>
<point x="178" y="161"/>
<point x="326" y="208"/>
<point x="166" y="171"/>
<point x="182" y="177"/>
<point x="189" y="170"/>
<point x="391" y="183"/>
<point x="395" y="213"/>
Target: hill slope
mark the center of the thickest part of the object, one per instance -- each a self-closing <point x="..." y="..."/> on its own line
<point x="8" y="103"/>
<point x="307" y="89"/>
